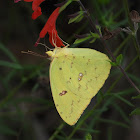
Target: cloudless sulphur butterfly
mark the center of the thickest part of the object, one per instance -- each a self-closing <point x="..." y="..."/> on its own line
<point x="76" y="75"/>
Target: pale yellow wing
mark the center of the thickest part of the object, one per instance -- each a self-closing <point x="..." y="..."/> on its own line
<point x="76" y="75"/>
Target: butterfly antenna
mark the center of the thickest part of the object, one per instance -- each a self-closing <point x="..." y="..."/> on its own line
<point x="47" y="48"/>
<point x="33" y="53"/>
<point x="64" y="42"/>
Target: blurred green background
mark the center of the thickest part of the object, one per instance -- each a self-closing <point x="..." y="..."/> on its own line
<point x="27" y="110"/>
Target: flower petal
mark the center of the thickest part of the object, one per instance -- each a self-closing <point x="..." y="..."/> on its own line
<point x="36" y="13"/>
<point x="51" y="29"/>
<point x="55" y="40"/>
<point x="50" y="24"/>
<point x="36" y="4"/>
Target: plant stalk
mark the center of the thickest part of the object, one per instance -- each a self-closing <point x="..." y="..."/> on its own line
<point x="134" y="37"/>
<point x="107" y="49"/>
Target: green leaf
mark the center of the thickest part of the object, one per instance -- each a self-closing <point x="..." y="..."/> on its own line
<point x="78" y="18"/>
<point x="122" y="113"/>
<point x="134" y="78"/>
<point x="93" y="40"/>
<point x="136" y="97"/>
<point x="113" y="122"/>
<point x="89" y="130"/>
<point x="119" y="59"/>
<point x="81" y="40"/>
<point x="126" y="92"/>
<point x="88" y="136"/>
<point x="135" y="112"/>
<point x="113" y="63"/>
<point x="99" y="29"/>
<point x="123" y="99"/>
<point x="6" y="130"/>
<point x="7" y="52"/>
<point x="91" y="35"/>
<point x="9" y="64"/>
<point x="95" y="35"/>
<point x="10" y="75"/>
<point x="65" y="5"/>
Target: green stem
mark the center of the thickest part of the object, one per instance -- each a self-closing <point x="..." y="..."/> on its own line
<point x="117" y="80"/>
<point x="129" y="80"/>
<point x="57" y="131"/>
<point x="126" y="7"/>
<point x="121" y="45"/>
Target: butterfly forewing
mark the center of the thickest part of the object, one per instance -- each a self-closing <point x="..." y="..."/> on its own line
<point x="76" y="76"/>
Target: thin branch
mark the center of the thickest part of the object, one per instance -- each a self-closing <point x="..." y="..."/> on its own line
<point x="134" y="37"/>
<point x="107" y="49"/>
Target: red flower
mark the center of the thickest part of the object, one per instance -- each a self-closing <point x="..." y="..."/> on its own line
<point x="36" y="13"/>
<point x="37" y="10"/>
<point x="55" y="39"/>
<point x="35" y="6"/>
<point x="50" y="28"/>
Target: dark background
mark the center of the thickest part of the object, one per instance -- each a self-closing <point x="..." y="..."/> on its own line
<point x="27" y="111"/>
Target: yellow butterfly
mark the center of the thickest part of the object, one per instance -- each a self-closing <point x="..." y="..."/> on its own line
<point x="76" y="75"/>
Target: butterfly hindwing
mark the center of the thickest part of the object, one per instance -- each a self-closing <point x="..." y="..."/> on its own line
<point x="76" y="76"/>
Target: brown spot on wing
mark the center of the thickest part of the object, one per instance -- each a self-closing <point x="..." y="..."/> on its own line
<point x="95" y="68"/>
<point x="80" y="76"/>
<point x="78" y="101"/>
<point x="71" y="64"/>
<point x="63" y="93"/>
<point x="79" y="87"/>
